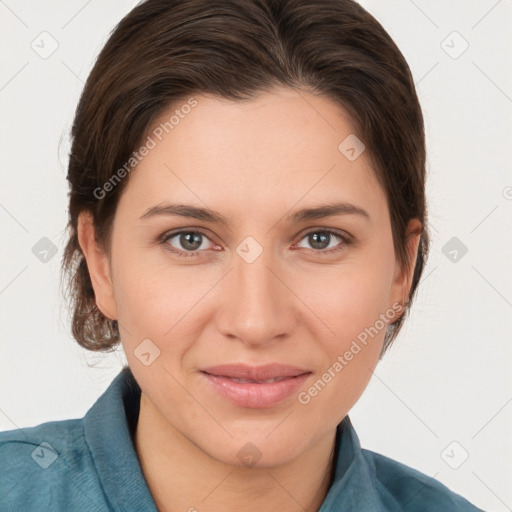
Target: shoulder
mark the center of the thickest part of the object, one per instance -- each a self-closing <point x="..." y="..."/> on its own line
<point x="46" y="467"/>
<point x="403" y="487"/>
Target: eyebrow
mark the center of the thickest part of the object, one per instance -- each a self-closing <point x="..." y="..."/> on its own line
<point x="205" y="214"/>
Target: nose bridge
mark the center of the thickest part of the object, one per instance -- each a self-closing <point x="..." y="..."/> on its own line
<point x="257" y="307"/>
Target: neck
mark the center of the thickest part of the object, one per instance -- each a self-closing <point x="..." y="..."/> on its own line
<point x="182" y="477"/>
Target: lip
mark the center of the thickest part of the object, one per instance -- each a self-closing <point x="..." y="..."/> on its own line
<point x="256" y="395"/>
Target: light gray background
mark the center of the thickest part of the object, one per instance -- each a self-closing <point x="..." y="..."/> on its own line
<point x="447" y="379"/>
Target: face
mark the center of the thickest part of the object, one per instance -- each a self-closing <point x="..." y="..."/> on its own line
<point x="259" y="281"/>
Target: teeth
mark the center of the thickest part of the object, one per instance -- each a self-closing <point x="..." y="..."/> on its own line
<point x="247" y="381"/>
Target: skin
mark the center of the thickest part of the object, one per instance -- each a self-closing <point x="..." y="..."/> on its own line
<point x="254" y="162"/>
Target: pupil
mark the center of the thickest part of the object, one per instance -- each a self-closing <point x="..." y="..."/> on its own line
<point x="188" y="240"/>
<point x="322" y="238"/>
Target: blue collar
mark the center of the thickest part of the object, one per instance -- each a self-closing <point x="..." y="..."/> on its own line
<point x="109" y="428"/>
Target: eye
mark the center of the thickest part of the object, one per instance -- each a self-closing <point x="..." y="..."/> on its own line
<point x="191" y="243"/>
<point x="185" y="243"/>
<point x="321" y="241"/>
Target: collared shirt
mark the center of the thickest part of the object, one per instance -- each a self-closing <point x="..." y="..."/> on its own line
<point x="90" y="464"/>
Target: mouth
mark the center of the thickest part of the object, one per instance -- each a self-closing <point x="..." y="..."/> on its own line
<point x="255" y="373"/>
<point x="255" y="387"/>
<point x="246" y="381"/>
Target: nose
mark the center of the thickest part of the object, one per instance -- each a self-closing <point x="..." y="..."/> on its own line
<point x="256" y="305"/>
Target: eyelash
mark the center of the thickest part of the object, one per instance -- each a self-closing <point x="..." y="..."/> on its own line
<point x="345" y="241"/>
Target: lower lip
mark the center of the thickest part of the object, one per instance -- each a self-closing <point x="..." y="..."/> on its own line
<point x="254" y="395"/>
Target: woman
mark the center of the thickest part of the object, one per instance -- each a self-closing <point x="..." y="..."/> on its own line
<point x="248" y="219"/>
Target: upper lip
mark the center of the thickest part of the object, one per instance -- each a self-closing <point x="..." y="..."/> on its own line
<point x="245" y="371"/>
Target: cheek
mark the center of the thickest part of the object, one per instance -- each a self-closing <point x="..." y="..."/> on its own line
<point x="351" y="310"/>
<point x="159" y="300"/>
<point x="351" y="300"/>
<point x="350" y="297"/>
<point x="147" y="296"/>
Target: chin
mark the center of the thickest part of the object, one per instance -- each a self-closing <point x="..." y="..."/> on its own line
<point x="259" y="449"/>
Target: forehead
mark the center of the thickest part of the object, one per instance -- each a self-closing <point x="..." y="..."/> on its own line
<point x="275" y="148"/>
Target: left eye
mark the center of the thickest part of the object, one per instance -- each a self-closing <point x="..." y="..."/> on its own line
<point x="320" y="240"/>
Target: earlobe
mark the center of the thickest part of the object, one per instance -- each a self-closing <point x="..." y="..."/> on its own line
<point x="404" y="275"/>
<point x="97" y="265"/>
<point x="412" y="244"/>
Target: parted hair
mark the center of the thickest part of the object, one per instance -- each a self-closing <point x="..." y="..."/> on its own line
<point x="166" y="50"/>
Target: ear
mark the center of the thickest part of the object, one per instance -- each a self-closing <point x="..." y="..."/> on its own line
<point x="97" y="265"/>
<point x="403" y="275"/>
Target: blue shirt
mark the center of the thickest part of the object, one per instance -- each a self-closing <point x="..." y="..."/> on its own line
<point x="90" y="464"/>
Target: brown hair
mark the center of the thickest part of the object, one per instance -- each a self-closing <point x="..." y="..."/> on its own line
<point x="167" y="50"/>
